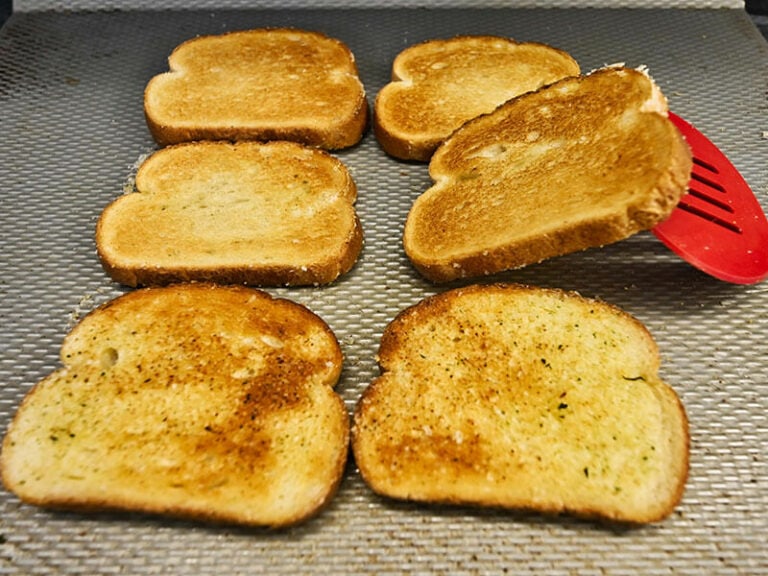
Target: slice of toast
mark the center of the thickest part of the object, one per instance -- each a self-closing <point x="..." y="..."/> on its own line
<point x="263" y="84"/>
<point x="523" y="398"/>
<point x="275" y="213"/>
<point x="440" y="84"/>
<point x="581" y="163"/>
<point x="194" y="401"/>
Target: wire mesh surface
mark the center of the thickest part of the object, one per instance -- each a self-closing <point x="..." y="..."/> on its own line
<point x="30" y="5"/>
<point x="71" y="130"/>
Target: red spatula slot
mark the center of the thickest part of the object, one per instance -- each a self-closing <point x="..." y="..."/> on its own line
<point x="707" y="198"/>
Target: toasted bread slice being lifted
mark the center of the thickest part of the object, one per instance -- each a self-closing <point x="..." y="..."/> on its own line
<point x="440" y="84"/>
<point x="275" y="213"/>
<point x="263" y="84"/>
<point x="523" y="398"/>
<point x="194" y="401"/>
<point x="581" y="163"/>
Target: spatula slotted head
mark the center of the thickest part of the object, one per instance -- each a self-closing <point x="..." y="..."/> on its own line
<point x="719" y="226"/>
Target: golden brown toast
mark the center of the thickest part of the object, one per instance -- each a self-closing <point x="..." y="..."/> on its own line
<point x="275" y="213"/>
<point x="263" y="84"/>
<point x="195" y="401"/>
<point x="523" y="398"/>
<point x="584" y="162"/>
<point x="440" y="84"/>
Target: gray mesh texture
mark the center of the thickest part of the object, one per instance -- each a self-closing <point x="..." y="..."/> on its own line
<point x="42" y="5"/>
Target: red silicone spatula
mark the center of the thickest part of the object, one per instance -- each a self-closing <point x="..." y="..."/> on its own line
<point x="718" y="226"/>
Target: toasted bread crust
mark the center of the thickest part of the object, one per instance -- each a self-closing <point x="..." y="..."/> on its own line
<point x="523" y="398"/>
<point x="265" y="214"/>
<point x="581" y="163"/>
<point x="196" y="401"/>
<point x="263" y="84"/>
<point x="439" y="84"/>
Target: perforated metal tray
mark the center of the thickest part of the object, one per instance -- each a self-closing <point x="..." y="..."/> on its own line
<point x="71" y="129"/>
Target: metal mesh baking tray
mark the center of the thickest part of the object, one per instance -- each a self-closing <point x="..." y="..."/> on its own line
<point x="71" y="131"/>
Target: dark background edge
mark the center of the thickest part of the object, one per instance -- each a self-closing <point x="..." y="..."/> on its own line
<point x="756" y="8"/>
